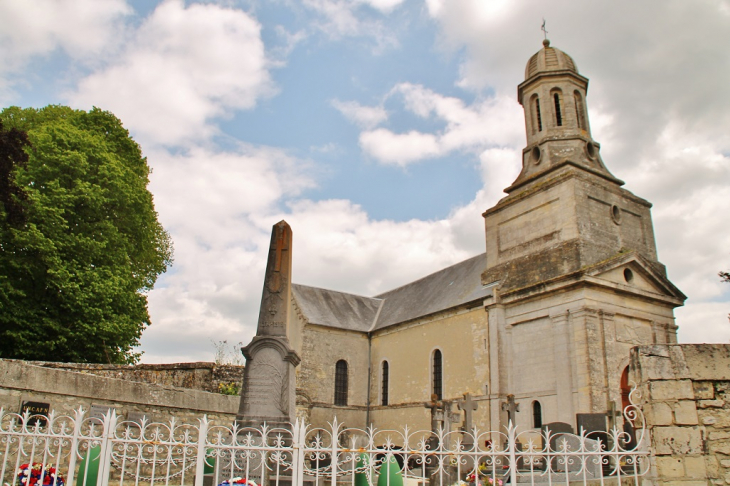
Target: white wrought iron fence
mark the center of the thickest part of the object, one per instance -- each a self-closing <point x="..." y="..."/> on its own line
<point x="82" y="451"/>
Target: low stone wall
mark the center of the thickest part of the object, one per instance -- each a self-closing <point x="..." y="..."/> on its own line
<point x="65" y="391"/>
<point x="685" y="391"/>
<point x="202" y="376"/>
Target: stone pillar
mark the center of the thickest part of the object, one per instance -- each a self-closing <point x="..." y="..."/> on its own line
<point x="497" y="357"/>
<point x="563" y="367"/>
<point x="269" y="384"/>
<point x="613" y="358"/>
<point x="596" y="357"/>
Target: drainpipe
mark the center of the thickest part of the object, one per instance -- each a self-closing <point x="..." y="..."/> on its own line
<point x="370" y="366"/>
<point x="370" y="361"/>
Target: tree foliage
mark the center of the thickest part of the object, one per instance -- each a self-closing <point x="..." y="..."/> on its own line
<point x="80" y="243"/>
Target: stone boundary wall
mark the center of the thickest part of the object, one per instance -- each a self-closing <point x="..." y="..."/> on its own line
<point x="685" y="392"/>
<point x="65" y="391"/>
<point x="204" y="376"/>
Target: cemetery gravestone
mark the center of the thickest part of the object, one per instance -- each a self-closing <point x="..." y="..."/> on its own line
<point x="594" y="425"/>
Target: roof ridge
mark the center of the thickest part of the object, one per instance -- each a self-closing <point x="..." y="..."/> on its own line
<point x="336" y="291"/>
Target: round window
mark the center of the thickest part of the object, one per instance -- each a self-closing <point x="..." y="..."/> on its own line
<point x="591" y="150"/>
<point x="536" y="154"/>
<point x="628" y="275"/>
<point x="616" y="214"/>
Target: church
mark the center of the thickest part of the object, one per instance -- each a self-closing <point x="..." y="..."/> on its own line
<point x="535" y="330"/>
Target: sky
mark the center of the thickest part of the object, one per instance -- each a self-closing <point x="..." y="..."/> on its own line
<point x="380" y="130"/>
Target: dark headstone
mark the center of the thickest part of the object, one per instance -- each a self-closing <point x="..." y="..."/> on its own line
<point x="591" y="422"/>
<point x="594" y="425"/>
<point x="557" y="434"/>
<point x="557" y="428"/>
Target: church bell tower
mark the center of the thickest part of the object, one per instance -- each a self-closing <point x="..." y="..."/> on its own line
<point x="556" y="121"/>
<point x="571" y="261"/>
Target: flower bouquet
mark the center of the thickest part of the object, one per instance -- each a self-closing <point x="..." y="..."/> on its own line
<point x="30" y="475"/>
<point x="238" y="481"/>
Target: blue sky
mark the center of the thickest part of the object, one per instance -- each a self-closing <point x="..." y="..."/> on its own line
<point x="380" y="130"/>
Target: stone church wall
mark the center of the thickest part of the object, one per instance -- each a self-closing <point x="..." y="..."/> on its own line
<point x="685" y="393"/>
<point x="568" y="348"/>
<point x="321" y="348"/>
<point x="462" y="337"/>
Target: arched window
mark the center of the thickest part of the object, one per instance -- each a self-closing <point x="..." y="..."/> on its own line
<point x="536" y="414"/>
<point x="537" y="122"/>
<point x="438" y="375"/>
<point x="384" y="378"/>
<point x="579" y="111"/>
<point x="558" y="111"/>
<point x="341" y="382"/>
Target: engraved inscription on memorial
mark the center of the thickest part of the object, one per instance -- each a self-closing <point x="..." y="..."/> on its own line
<point x="267" y="385"/>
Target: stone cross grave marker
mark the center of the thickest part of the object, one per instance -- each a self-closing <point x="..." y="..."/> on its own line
<point x="468" y="405"/>
<point x="437" y="413"/>
<point x="613" y="414"/>
<point x="511" y="408"/>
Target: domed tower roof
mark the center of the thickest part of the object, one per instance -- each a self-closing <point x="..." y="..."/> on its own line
<point x="549" y="59"/>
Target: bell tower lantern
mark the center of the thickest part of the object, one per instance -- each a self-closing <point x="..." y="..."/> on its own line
<point x="556" y="118"/>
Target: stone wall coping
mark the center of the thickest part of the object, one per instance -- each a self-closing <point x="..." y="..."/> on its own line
<point x="141" y="366"/>
<point x="696" y="362"/>
<point x="29" y="377"/>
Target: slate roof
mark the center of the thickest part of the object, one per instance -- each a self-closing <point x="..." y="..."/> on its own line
<point x="453" y="286"/>
<point x="336" y="309"/>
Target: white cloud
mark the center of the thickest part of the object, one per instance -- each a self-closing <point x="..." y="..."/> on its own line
<point x="363" y="116"/>
<point x="82" y="29"/>
<point x="384" y="6"/>
<point x="338" y="246"/>
<point x="185" y="67"/>
<point x="213" y="204"/>
<point x="484" y="123"/>
<point x="399" y="148"/>
<point x="348" y="18"/>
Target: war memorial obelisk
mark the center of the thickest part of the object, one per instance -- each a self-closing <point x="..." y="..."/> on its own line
<point x="269" y="382"/>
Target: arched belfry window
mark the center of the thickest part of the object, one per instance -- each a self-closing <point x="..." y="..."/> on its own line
<point x="437" y="367"/>
<point x="579" y="111"/>
<point x="536" y="414"/>
<point x="341" y="382"/>
<point x="384" y="382"/>
<point x="537" y="120"/>
<point x="558" y="110"/>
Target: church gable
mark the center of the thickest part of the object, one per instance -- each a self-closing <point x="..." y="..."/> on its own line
<point x="631" y="271"/>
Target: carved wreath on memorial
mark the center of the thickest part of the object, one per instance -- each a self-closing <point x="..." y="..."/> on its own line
<point x="37" y="474"/>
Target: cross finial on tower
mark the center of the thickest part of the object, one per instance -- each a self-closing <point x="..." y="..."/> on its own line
<point x="544" y="30"/>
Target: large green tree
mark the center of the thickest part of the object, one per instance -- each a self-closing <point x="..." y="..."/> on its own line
<point x="80" y="244"/>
